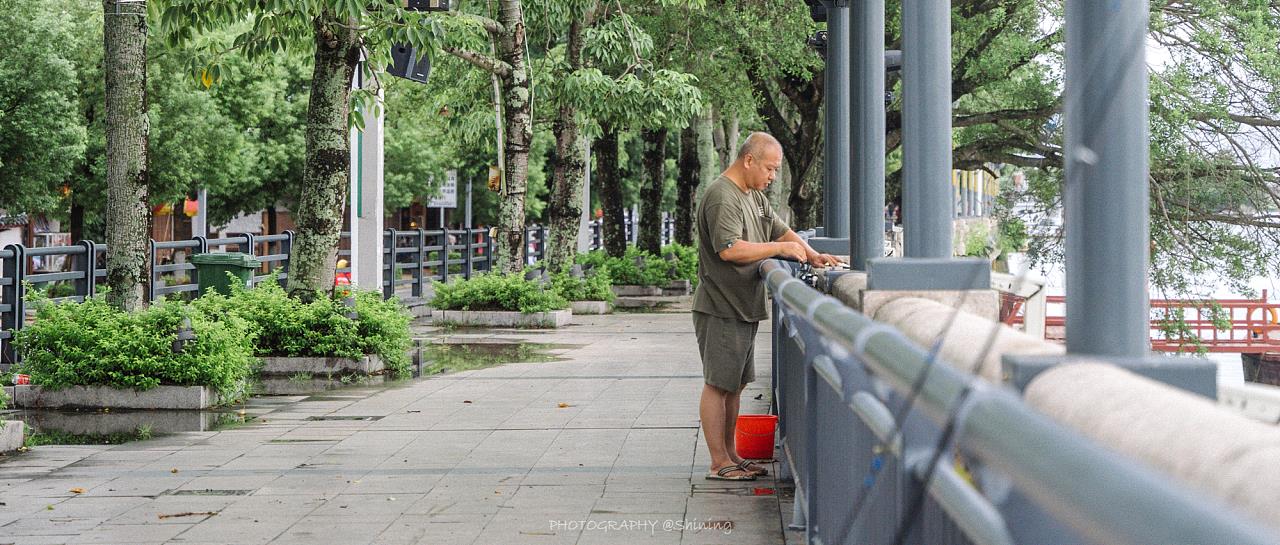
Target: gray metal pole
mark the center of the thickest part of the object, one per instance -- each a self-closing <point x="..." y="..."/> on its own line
<point x="467" y="220"/>
<point x="1105" y="194"/>
<point x="926" y="128"/>
<point x="836" y="161"/>
<point x="867" y="191"/>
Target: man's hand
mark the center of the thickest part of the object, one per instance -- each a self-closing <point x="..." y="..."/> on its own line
<point x="823" y="260"/>
<point x="792" y="250"/>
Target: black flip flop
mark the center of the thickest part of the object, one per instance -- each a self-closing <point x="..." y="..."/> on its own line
<point x="722" y="474"/>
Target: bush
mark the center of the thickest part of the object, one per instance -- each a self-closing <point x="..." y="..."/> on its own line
<point x="594" y="287"/>
<point x="687" y="261"/>
<point x="496" y="291"/>
<point x="656" y="270"/>
<point x="286" y="326"/>
<point x="94" y="344"/>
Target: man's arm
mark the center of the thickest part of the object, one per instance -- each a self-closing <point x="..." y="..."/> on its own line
<point x="811" y="256"/>
<point x="743" y="252"/>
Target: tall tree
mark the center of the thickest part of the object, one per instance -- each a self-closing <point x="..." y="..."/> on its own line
<point x="340" y="33"/>
<point x="687" y="182"/>
<point x="655" y="160"/>
<point x="506" y="34"/>
<point x="41" y="137"/>
<point x="571" y="164"/>
<point x="128" y="216"/>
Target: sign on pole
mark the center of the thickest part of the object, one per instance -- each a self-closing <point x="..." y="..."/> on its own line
<point x="448" y="197"/>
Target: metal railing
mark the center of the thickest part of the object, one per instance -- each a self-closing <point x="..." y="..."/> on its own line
<point x="411" y="258"/>
<point x="425" y="255"/>
<point x="864" y="412"/>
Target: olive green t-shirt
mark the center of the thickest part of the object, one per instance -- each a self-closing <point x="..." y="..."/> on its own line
<point x="725" y="216"/>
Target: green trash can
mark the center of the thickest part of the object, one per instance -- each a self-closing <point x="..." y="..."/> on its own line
<point x="212" y="269"/>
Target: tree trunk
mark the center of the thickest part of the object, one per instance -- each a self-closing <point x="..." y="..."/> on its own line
<point x="565" y="210"/>
<point x="730" y="140"/>
<point x="655" y="161"/>
<point x="519" y="132"/>
<point x="708" y="160"/>
<point x="326" y="175"/>
<point x="609" y="187"/>
<point x="127" y="128"/>
<point x="686" y="185"/>
<point x="718" y="140"/>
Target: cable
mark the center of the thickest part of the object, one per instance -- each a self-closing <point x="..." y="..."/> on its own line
<point x="948" y="431"/>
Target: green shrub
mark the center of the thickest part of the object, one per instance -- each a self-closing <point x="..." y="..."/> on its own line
<point x="624" y="271"/>
<point x="687" y="262"/>
<point x="496" y="291"/>
<point x="656" y="271"/>
<point x="286" y="326"/>
<point x="94" y="344"/>
<point x="594" y="287"/>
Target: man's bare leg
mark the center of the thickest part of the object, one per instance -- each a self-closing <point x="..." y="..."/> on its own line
<point x="732" y="403"/>
<point x="732" y="400"/>
<point x="713" y="411"/>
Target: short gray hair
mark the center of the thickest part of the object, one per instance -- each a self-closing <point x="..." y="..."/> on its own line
<point x="756" y="143"/>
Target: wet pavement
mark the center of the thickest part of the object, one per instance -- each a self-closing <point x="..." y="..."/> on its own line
<point x="595" y="440"/>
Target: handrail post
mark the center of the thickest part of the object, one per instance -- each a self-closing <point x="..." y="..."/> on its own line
<point x="489" y="248"/>
<point x="151" y="270"/>
<point x="416" y="289"/>
<point x="444" y="255"/>
<point x="249" y="244"/>
<point x="13" y="268"/>
<point x="389" y="272"/>
<point x="286" y="249"/>
<point x="84" y="286"/>
<point x="467" y="257"/>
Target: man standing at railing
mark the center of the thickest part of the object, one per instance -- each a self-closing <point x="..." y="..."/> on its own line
<point x="736" y="230"/>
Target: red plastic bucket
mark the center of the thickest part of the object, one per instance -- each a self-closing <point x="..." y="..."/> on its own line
<point x="753" y="436"/>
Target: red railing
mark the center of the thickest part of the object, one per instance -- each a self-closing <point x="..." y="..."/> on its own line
<point x="1248" y="326"/>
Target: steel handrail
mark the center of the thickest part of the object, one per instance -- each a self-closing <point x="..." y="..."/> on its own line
<point x="1078" y="481"/>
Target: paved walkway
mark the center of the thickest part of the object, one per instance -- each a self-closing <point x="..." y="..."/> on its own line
<point x="601" y="447"/>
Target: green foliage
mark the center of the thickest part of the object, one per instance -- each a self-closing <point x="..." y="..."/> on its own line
<point x="41" y="135"/>
<point x="286" y="326"/>
<point x="977" y="240"/>
<point x="495" y="291"/>
<point x="592" y="287"/>
<point x="92" y="343"/>
<point x="639" y="268"/>
<point x="686" y="261"/>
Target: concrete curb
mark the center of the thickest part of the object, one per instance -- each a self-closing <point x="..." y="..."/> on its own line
<point x="590" y="307"/>
<point x="503" y="318"/>
<point x="95" y="397"/>
<point x="636" y="291"/>
<point x="678" y="287"/>
<point x="280" y="365"/>
<point x="10" y="435"/>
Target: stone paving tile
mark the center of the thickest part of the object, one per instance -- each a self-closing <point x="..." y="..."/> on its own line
<point x="478" y="457"/>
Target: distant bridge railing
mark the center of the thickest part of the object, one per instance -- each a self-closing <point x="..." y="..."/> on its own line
<point x="1245" y="326"/>
<point x="867" y="418"/>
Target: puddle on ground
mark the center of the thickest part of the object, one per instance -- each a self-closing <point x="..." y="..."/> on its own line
<point x="448" y="355"/>
<point x="307" y="383"/>
<point x="114" y="427"/>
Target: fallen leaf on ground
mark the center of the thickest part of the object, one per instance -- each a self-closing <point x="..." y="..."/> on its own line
<point x="174" y="470"/>
<point x="563" y="405"/>
<point x="466" y="401"/>
<point x="77" y="490"/>
<point x="189" y="514"/>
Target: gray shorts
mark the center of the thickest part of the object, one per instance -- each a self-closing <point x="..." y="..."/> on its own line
<point x="728" y="350"/>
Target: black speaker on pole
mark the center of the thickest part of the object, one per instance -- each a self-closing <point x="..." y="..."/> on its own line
<point x="407" y="64"/>
<point x="426" y="5"/>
